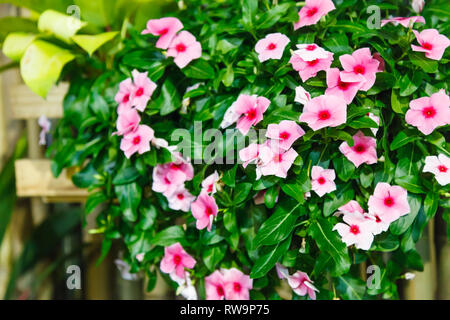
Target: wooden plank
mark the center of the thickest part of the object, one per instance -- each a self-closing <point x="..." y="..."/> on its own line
<point x="25" y="104"/>
<point x="34" y="179"/>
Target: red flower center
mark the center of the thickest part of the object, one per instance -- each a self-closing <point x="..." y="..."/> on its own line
<point x="359" y="69"/>
<point x="177" y="259"/>
<point x="210" y="188"/>
<point x="324" y="115"/>
<point x="180" y="196"/>
<point x="311" y="47"/>
<point x="126" y="98"/>
<point x="377" y="219"/>
<point x="220" y="291"/>
<point x="136" y="140"/>
<point x="359" y="148"/>
<point x="140" y="92"/>
<point x="180" y="47"/>
<point x="442" y="168"/>
<point x="208" y="211"/>
<point x="343" y="85"/>
<point x="163" y="31"/>
<point x="429" y="112"/>
<point x="284" y="135"/>
<point x="313" y="62"/>
<point x="354" y="229"/>
<point x="389" y="201"/>
<point x="278" y="158"/>
<point x="175" y="166"/>
<point x="321" y="180"/>
<point x="251" y="114"/>
<point x="427" y="46"/>
<point x="271" y="46"/>
<point x="311" y="12"/>
<point x="166" y="181"/>
<point x="237" y="287"/>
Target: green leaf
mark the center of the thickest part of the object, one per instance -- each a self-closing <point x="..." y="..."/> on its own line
<point x="94" y="200"/>
<point x="399" y="105"/>
<point x="213" y="255"/>
<point x="241" y="192"/>
<point x="267" y="261"/>
<point x="168" y="236"/>
<point x="126" y="175"/>
<point x="344" y="168"/>
<point x="91" y="43"/>
<point x="62" y="26"/>
<point x="270" y="197"/>
<point x="16" y="44"/>
<point x="363" y="122"/>
<point x="265" y="182"/>
<point x="351" y="288"/>
<point x="294" y="191"/>
<point x="419" y="59"/>
<point x="229" y="177"/>
<point x="129" y="196"/>
<point x="431" y="204"/>
<point x="401" y="225"/>
<point x="388" y="244"/>
<point x="402" y="138"/>
<point x="169" y="99"/>
<point x="148" y="215"/>
<point x="199" y="69"/>
<point x="407" y="86"/>
<point x="279" y="225"/>
<point x="337" y="199"/>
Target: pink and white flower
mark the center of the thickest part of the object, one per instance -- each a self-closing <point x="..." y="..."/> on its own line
<point x="137" y="141"/>
<point x="432" y="43"/>
<point x="185" y="286"/>
<point x="428" y="113"/>
<point x="360" y="67"/>
<point x="363" y="151"/>
<point x="180" y="199"/>
<point x="312" y="12"/>
<point x="142" y="91"/>
<point x="440" y="167"/>
<point x="184" y="48"/>
<point x="376" y="225"/>
<point x="127" y="122"/>
<point x="176" y="259"/>
<point x="237" y="284"/>
<point x="356" y="230"/>
<point x="351" y="207"/>
<point x="250" y="110"/>
<point x="209" y="185"/>
<point x="272" y="46"/>
<point x="389" y="202"/>
<point x="301" y="95"/>
<point x="324" y="111"/>
<point x="322" y="180"/>
<point x="309" y="69"/>
<point x="215" y="286"/>
<point x="339" y="88"/>
<point x="45" y="125"/>
<point x="418" y="5"/>
<point x="302" y="285"/>
<point x="286" y="132"/>
<point x="124" y="95"/>
<point x="406" y="22"/>
<point x="205" y="210"/>
<point x="167" y="178"/>
<point x="280" y="161"/>
<point x="165" y="28"/>
<point x="311" y="52"/>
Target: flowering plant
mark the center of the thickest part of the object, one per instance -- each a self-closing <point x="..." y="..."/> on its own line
<point x="238" y="145"/>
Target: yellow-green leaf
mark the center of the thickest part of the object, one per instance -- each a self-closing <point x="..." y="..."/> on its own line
<point x="61" y="25"/>
<point x="91" y="43"/>
<point x="16" y="44"/>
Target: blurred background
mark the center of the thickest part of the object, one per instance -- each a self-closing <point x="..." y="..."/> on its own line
<point x="46" y="248"/>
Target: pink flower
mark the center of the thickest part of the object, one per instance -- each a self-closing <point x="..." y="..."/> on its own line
<point x="418" y="5"/>
<point x="287" y="132"/>
<point x="204" y="209"/>
<point x="45" y="125"/>
<point x="357" y="230"/>
<point x="209" y="184"/>
<point x="324" y="111"/>
<point x="312" y="12"/>
<point x="302" y="284"/>
<point x="309" y="69"/>
<point x="215" y="286"/>
<point x="165" y="28"/>
<point x="272" y="46"/>
<point x="406" y="22"/>
<point x="311" y="52"/>
<point x="428" y="113"/>
<point x="363" y="151"/>
<point x="279" y="163"/>
<point x="176" y="259"/>
<point x="339" y="88"/>
<point x="167" y="178"/>
<point x="180" y="199"/>
<point x="322" y="180"/>
<point x="360" y="67"/>
<point x="301" y="95"/>
<point x="237" y="284"/>
<point x="432" y="43"/>
<point x="389" y="202"/>
<point x="440" y="167"/>
<point x="137" y="141"/>
<point x="351" y="207"/>
<point x="127" y="122"/>
<point x="282" y="271"/>
<point x="143" y="90"/>
<point x="184" y="48"/>
<point x="124" y="96"/>
<point x="250" y="110"/>
<point x="378" y="225"/>
<point x="375" y="224"/>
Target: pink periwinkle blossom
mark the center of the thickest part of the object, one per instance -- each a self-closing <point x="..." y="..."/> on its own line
<point x="209" y="185"/>
<point x="363" y="151"/>
<point x="302" y="285"/>
<point x="324" y="111"/>
<point x="322" y="180"/>
<point x="360" y="67"/>
<point x="165" y="28"/>
<point x="339" y="88"/>
<point x="428" y="113"/>
<point x="353" y="207"/>
<point x="357" y="230"/>
<point x="124" y="95"/>
<point x="215" y="286"/>
<point x="237" y="284"/>
<point x="389" y="202"/>
<point x="137" y="141"/>
<point x="309" y="69"/>
<point x="128" y="121"/>
<point x="180" y="199"/>
<point x="272" y="46"/>
<point x="184" y="48"/>
<point x="248" y="111"/>
<point x="286" y="132"/>
<point x="278" y="161"/>
<point x="45" y="125"/>
<point x="168" y="177"/>
<point x="205" y="210"/>
<point x="432" y="43"/>
<point x="301" y="95"/>
<point x="312" y="12"/>
<point x="440" y="167"/>
<point x="175" y="260"/>
<point x="418" y="5"/>
<point x="143" y="90"/>
<point x="404" y="21"/>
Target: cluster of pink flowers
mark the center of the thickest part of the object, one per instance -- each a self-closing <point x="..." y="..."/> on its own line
<point x="300" y="283"/>
<point x="228" y="284"/>
<point x="182" y="46"/>
<point x="205" y="208"/>
<point x="387" y="204"/>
